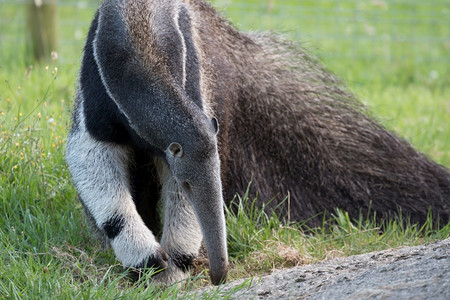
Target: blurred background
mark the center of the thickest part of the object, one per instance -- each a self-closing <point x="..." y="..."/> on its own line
<point x="402" y="40"/>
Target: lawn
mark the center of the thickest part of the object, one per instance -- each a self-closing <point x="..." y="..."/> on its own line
<point x="395" y="55"/>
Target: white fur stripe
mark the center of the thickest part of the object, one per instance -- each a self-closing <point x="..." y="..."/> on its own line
<point x="183" y="44"/>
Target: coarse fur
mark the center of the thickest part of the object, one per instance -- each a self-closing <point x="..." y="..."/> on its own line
<point x="289" y="126"/>
<point x="159" y="78"/>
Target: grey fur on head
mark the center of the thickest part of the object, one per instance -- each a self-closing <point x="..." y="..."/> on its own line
<point x="159" y="78"/>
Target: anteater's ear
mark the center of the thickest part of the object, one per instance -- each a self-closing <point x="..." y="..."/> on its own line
<point x="215" y="124"/>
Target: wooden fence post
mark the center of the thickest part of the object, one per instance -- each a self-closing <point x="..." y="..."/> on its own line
<point x="41" y="28"/>
<point x="270" y="5"/>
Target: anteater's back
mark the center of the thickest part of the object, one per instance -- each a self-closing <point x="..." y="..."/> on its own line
<point x="290" y="128"/>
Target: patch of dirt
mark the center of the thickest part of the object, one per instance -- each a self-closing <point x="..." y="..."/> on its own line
<point x="420" y="272"/>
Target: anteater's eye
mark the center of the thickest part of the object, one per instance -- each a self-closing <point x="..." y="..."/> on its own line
<point x="215" y="124"/>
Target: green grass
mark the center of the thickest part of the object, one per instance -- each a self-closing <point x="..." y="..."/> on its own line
<point x="260" y="242"/>
<point x="45" y="247"/>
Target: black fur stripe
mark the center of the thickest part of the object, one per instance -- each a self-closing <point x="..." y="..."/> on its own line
<point x="113" y="226"/>
<point x="183" y="261"/>
<point x="157" y="261"/>
<point x="102" y="116"/>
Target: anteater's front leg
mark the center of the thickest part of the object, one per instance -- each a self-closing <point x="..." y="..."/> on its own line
<point x="100" y="173"/>
<point x="182" y="235"/>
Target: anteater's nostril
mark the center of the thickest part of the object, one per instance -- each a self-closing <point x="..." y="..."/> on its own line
<point x="186" y="186"/>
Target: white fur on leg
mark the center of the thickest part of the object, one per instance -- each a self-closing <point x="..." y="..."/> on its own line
<point x="181" y="233"/>
<point x="99" y="171"/>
